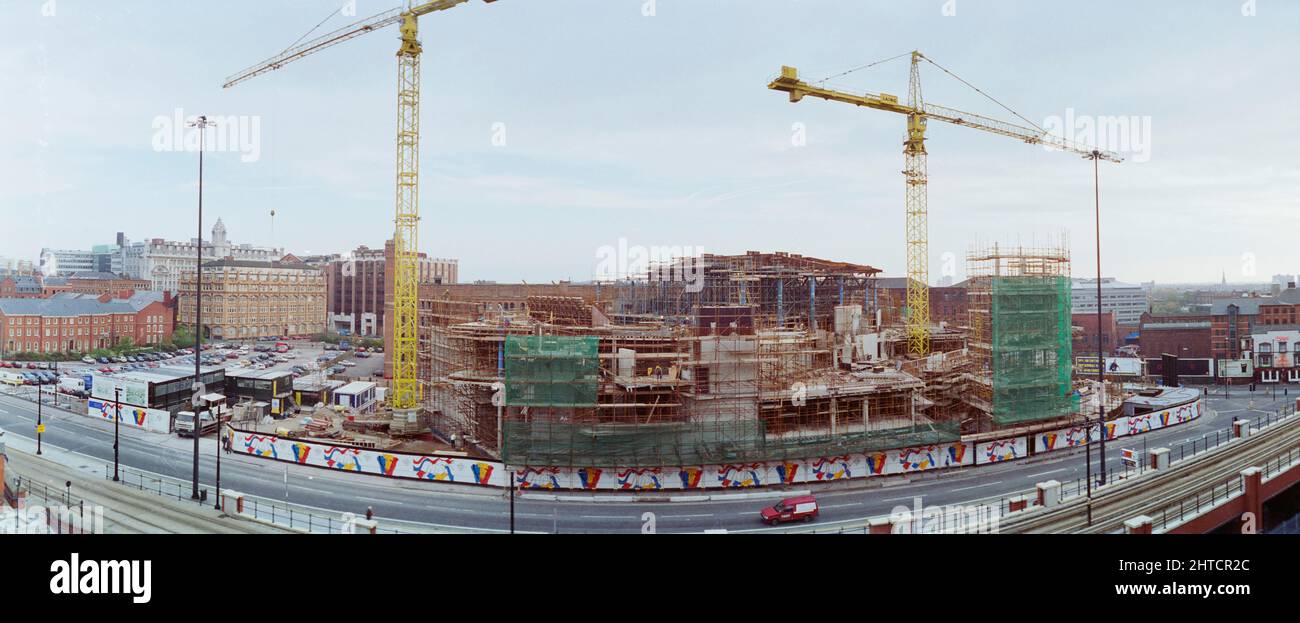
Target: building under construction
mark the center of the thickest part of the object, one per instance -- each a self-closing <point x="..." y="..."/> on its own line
<point x="723" y="359"/>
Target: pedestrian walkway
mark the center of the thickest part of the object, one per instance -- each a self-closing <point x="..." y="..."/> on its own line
<point x="62" y="479"/>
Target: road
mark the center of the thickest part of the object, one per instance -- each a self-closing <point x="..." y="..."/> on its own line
<point x="459" y="505"/>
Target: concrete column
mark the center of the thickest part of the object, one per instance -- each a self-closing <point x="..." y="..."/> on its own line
<point x="1138" y="525"/>
<point x="369" y="525"/>
<point x="880" y="525"/>
<point x="1049" y="493"/>
<point x="1158" y="458"/>
<point x="834" y="415"/>
<point x="1018" y="503"/>
<point x="1251" y="478"/>
<point x="227" y="495"/>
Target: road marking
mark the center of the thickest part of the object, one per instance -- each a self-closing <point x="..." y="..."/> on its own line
<point x="1046" y="473"/>
<point x="909" y="497"/>
<point x="689" y="516"/>
<point x="608" y="517"/>
<point x="842" y="505"/>
<point x="987" y="484"/>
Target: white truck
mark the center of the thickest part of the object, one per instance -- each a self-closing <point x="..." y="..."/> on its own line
<point x="185" y="423"/>
<point x="72" y="385"/>
<point x="12" y="378"/>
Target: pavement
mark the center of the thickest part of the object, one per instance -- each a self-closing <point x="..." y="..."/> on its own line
<point x="61" y="479"/>
<point x="452" y="505"/>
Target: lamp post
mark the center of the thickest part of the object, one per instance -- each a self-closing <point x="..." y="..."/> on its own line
<point x="117" y="422"/>
<point x="201" y="124"/>
<point x="1095" y="156"/>
<point x="40" y="422"/>
<point x="221" y="444"/>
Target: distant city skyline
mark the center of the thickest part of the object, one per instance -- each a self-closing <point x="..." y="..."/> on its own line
<point x="665" y="137"/>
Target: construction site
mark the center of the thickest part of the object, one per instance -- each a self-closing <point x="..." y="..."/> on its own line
<point x="770" y="356"/>
<point x="715" y="359"/>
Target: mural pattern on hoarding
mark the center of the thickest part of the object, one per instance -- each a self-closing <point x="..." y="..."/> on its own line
<point x="1119" y="427"/>
<point x="152" y="420"/>
<point x="1001" y="450"/>
<point x="366" y="461"/>
<point x="695" y="477"/>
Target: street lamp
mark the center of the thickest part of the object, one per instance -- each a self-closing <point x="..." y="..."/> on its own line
<point x="1095" y="156"/>
<point x="117" y="423"/>
<point x="40" y="422"/>
<point x="221" y="444"/>
<point x="202" y="124"/>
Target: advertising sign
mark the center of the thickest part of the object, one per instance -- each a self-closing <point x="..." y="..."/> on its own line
<point x="1116" y="366"/>
<point x="133" y="392"/>
<point x="1236" y="368"/>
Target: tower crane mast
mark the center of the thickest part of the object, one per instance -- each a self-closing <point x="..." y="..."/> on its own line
<point x="404" y="396"/>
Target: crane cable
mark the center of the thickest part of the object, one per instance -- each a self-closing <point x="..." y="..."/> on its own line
<point x="867" y="66"/>
<point x="990" y="97"/>
<point x="314" y="28"/>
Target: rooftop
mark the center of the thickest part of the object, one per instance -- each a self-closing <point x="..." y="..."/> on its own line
<point x="1168" y="397"/>
<point x="355" y="387"/>
<point x="1250" y="305"/>
<point x="78" y="305"/>
<point x="255" y="264"/>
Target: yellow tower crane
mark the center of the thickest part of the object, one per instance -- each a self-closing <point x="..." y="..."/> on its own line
<point x="404" y="395"/>
<point x="914" y="170"/>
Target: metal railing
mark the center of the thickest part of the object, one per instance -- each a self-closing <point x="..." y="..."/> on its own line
<point x="1191" y="507"/>
<point x="59" y="504"/>
<point x="276" y="512"/>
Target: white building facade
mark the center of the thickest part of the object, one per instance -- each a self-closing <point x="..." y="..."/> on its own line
<point x="163" y="262"/>
<point x="1126" y="300"/>
<point x="1274" y="352"/>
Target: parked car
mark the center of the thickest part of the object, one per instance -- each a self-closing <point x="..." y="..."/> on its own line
<point x="801" y="508"/>
<point x="87" y="359"/>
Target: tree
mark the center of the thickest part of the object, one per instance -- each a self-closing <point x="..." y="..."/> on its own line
<point x="181" y="336"/>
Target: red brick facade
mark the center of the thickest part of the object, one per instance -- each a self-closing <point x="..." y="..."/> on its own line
<point x="1085" y="343"/>
<point x="1184" y="336"/>
<point x="94" y="324"/>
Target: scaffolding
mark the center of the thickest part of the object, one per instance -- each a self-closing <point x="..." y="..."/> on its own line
<point x="784" y="290"/>
<point x="760" y="362"/>
<point x="1020" y="334"/>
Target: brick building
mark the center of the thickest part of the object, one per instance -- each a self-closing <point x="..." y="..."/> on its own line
<point x="1183" y="335"/>
<point x="81" y="323"/>
<point x="19" y="286"/>
<point x="1085" y="340"/>
<point x="245" y="299"/>
<point x="92" y="282"/>
<point x="948" y="304"/>
<point x="1233" y="320"/>
<point x="357" y="286"/>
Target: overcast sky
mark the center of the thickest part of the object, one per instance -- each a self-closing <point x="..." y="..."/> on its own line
<point x="554" y="129"/>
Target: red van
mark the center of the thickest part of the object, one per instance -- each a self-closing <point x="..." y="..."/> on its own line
<point x="802" y="508"/>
